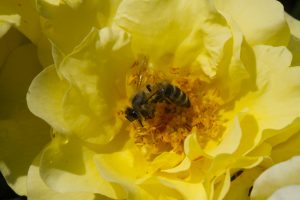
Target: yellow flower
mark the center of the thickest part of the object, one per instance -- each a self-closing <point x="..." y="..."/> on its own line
<point x="235" y="60"/>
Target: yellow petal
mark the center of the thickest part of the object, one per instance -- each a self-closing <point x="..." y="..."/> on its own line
<point x="286" y="149"/>
<point x="261" y="21"/>
<point x="38" y="190"/>
<point x="273" y="105"/>
<point x="64" y="18"/>
<point x="192" y="148"/>
<point x="21" y="133"/>
<point x="191" y="191"/>
<point x="97" y="75"/>
<point x="6" y="21"/>
<point x="277" y="176"/>
<point x="160" y="36"/>
<point x="68" y="166"/>
<point x="204" y="46"/>
<point x="221" y="186"/>
<point x="240" y="187"/>
<point x="45" y="97"/>
<point x="29" y="22"/>
<point x="230" y="141"/>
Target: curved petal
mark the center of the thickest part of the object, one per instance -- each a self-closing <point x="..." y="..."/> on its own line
<point x="38" y="190"/>
<point x="191" y="191"/>
<point x="45" y="97"/>
<point x="273" y="104"/>
<point x="286" y="193"/>
<point x="287" y="149"/>
<point x="277" y="176"/>
<point x="240" y="187"/>
<point x="6" y="21"/>
<point x="160" y="36"/>
<point x="65" y="18"/>
<point x="21" y="133"/>
<point x="294" y="44"/>
<point x="261" y="21"/>
<point x="97" y="75"/>
<point x="68" y="166"/>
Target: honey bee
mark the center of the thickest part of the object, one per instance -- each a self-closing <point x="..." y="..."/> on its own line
<point x="143" y="102"/>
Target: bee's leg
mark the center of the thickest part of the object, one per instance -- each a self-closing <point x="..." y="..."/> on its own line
<point x="140" y="121"/>
<point x="148" y="87"/>
<point x="167" y="100"/>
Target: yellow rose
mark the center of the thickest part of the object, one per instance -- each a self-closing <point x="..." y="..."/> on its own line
<point x="235" y="60"/>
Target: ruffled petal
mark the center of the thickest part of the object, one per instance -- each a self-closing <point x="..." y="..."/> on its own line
<point x="261" y="21"/>
<point x="65" y="18"/>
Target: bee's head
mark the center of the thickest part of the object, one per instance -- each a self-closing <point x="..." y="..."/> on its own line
<point x="131" y="114"/>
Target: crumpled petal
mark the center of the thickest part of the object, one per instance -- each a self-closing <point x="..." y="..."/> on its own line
<point x="73" y="19"/>
<point x="84" y="99"/>
<point x="272" y="68"/>
<point x="261" y="21"/>
<point x="280" y="175"/>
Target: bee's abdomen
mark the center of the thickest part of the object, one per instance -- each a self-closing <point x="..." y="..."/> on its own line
<point x="176" y="95"/>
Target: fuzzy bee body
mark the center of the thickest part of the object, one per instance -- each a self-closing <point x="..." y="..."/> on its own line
<point x="143" y="102"/>
<point x="171" y="94"/>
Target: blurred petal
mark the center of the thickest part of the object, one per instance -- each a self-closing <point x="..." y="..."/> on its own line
<point x="287" y="149"/>
<point x="29" y="23"/>
<point x="261" y="21"/>
<point x="22" y="134"/>
<point x="6" y="21"/>
<point x="286" y="193"/>
<point x="275" y="177"/>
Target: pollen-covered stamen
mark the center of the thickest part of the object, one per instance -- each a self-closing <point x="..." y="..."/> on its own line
<point x="173" y="123"/>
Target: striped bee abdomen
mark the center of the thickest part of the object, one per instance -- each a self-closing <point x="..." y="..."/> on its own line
<point x="175" y="95"/>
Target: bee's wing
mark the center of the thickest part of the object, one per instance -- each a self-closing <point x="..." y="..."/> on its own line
<point x="136" y="75"/>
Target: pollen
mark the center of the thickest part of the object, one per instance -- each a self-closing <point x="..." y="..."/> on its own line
<point x="171" y="124"/>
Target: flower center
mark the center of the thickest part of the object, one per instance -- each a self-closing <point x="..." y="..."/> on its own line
<point x="172" y="123"/>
